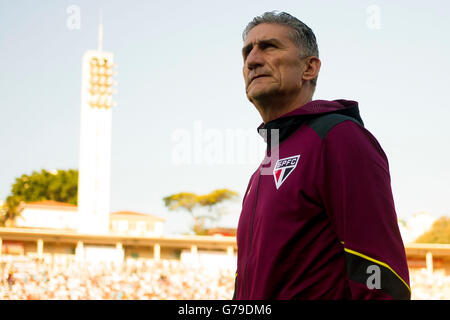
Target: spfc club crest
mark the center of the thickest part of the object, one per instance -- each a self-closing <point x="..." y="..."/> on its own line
<point x="283" y="168"/>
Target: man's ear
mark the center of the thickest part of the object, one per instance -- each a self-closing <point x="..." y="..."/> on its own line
<point x="311" y="68"/>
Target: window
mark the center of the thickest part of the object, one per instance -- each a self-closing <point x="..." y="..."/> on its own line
<point x="122" y="226"/>
<point x="142" y="226"/>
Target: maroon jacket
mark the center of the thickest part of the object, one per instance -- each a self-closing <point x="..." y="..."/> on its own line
<point x="322" y="223"/>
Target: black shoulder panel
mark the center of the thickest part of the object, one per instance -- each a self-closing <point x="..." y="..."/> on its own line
<point x="323" y="124"/>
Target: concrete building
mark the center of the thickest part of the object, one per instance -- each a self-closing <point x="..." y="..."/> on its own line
<point x="67" y="245"/>
<point x="47" y="214"/>
<point x="135" y="223"/>
<point x="54" y="215"/>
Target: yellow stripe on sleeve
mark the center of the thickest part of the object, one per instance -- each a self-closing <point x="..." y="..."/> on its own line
<point x="376" y="261"/>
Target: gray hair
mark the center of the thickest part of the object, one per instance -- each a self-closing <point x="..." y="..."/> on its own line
<point x="301" y="34"/>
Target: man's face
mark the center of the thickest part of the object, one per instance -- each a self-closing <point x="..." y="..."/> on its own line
<point x="272" y="63"/>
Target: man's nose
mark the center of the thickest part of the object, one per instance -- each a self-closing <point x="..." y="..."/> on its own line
<point x="254" y="59"/>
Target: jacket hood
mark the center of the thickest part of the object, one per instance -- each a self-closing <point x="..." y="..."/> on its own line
<point x="290" y="121"/>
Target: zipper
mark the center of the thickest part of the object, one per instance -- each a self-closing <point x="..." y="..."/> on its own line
<point x="251" y="236"/>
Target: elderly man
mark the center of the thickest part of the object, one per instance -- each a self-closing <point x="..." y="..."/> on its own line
<point x="318" y="219"/>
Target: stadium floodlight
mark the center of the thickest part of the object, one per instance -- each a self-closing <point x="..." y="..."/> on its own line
<point x="100" y="90"/>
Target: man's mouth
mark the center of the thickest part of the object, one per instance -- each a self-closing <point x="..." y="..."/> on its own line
<point x="258" y="76"/>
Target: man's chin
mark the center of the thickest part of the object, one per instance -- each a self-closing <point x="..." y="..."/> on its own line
<point x="260" y="94"/>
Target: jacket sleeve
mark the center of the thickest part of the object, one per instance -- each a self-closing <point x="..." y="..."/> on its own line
<point x="355" y="187"/>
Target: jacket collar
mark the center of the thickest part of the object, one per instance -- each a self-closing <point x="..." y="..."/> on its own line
<point x="291" y="121"/>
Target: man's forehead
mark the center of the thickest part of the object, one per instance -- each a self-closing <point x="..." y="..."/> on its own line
<point x="266" y="31"/>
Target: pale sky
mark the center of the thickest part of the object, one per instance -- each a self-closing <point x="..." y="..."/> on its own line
<point x="180" y="74"/>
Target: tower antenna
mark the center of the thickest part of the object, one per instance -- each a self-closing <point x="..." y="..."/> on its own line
<point x="100" y="32"/>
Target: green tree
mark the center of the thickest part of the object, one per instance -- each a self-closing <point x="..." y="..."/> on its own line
<point x="190" y="201"/>
<point x="59" y="185"/>
<point x="438" y="233"/>
<point x="10" y="210"/>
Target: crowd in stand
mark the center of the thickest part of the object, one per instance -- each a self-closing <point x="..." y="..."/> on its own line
<point x="134" y="280"/>
<point x="429" y="285"/>
<point x="31" y="278"/>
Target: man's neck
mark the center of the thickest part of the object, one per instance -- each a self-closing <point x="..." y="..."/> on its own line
<point x="271" y="110"/>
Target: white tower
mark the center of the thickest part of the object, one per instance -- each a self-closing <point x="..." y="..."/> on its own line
<point x="95" y="140"/>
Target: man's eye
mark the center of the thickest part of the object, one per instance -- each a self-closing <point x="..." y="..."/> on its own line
<point x="267" y="45"/>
